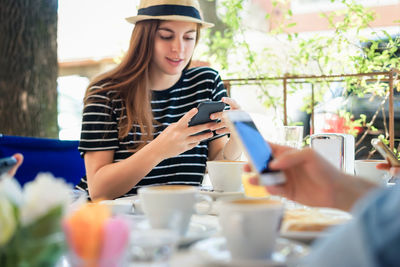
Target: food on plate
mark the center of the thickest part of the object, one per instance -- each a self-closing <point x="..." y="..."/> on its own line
<point x="312" y="219"/>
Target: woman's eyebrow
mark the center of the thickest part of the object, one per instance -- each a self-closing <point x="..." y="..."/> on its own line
<point x="169" y="30"/>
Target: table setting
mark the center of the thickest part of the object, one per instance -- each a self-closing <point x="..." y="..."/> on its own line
<point x="204" y="242"/>
<point x="185" y="226"/>
<point x="176" y="225"/>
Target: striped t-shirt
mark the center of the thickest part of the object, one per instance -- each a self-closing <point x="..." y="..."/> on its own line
<point x="100" y="127"/>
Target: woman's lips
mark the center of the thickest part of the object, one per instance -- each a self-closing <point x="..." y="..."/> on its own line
<point x="174" y="62"/>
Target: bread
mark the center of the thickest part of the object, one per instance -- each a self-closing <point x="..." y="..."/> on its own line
<point x="308" y="219"/>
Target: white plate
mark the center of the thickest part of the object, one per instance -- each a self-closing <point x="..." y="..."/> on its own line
<point x="198" y="229"/>
<point x="309" y="236"/>
<point x="119" y="206"/>
<point x="196" y="232"/>
<point x="201" y="207"/>
<point x="214" y="251"/>
<point x="302" y="236"/>
<point x="218" y="195"/>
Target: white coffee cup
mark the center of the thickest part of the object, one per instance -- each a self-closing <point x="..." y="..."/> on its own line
<point x="251" y="226"/>
<point x="366" y="168"/>
<point x="225" y="175"/>
<point x="171" y="206"/>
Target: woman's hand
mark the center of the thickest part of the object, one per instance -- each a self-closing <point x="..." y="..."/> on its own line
<point x="311" y="180"/>
<point x="179" y="137"/>
<point x="222" y="126"/>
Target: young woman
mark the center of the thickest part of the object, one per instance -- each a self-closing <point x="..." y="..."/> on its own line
<point x="135" y="121"/>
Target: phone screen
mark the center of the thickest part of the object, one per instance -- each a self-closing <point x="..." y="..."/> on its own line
<point x="6" y="164"/>
<point x="257" y="148"/>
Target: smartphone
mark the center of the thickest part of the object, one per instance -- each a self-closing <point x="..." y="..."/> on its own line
<point x="385" y="151"/>
<point x="257" y="150"/>
<point x="205" y="110"/>
<point x="6" y="164"/>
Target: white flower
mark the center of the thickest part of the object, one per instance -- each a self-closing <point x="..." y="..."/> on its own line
<point x="10" y="188"/>
<point x="42" y="195"/>
<point x="7" y="220"/>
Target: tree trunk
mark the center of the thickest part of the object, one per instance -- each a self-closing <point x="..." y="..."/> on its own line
<point x="209" y="9"/>
<point x="28" y="67"/>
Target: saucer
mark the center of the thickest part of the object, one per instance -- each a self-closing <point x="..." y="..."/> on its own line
<point x="214" y="251"/>
<point x="119" y="206"/>
<point x="306" y="237"/>
<point x="220" y="194"/>
<point x="309" y="236"/>
<point x="197" y="230"/>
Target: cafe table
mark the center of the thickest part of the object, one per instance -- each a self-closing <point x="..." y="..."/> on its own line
<point x="187" y="252"/>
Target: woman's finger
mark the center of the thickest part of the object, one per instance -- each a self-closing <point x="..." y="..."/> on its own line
<point x="232" y="103"/>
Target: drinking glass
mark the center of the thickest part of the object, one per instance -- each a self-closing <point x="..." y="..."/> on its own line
<point x="292" y="136"/>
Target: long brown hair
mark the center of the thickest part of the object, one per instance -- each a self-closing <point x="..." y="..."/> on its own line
<point x="130" y="80"/>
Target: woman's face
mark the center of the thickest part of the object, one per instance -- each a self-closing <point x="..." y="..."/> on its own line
<point x="174" y="45"/>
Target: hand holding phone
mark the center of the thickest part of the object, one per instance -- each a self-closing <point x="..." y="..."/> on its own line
<point x="6" y="164"/>
<point x="205" y="109"/>
<point x="255" y="147"/>
<point x="385" y="151"/>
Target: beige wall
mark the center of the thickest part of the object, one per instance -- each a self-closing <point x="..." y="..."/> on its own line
<point x="86" y="67"/>
<point x="385" y="16"/>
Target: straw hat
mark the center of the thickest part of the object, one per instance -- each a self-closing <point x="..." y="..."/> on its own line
<point x="181" y="10"/>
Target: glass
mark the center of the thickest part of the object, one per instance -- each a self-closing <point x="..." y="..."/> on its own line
<point x="292" y="136"/>
<point x="74" y="260"/>
<point x="253" y="190"/>
<point x="151" y="247"/>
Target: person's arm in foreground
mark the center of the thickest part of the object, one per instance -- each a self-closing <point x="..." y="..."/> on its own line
<point x="371" y="238"/>
<point x="109" y="180"/>
<point x="311" y="180"/>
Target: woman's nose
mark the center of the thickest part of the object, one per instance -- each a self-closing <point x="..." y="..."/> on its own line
<point x="177" y="45"/>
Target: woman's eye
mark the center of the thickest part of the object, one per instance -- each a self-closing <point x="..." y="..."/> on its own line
<point x="189" y="38"/>
<point x="166" y="37"/>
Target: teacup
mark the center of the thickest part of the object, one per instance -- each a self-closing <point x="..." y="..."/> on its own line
<point x="251" y="226"/>
<point x="366" y="169"/>
<point x="171" y="206"/>
<point x="225" y="175"/>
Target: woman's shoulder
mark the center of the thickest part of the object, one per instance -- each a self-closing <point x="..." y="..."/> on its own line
<point x="202" y="71"/>
<point x="102" y="89"/>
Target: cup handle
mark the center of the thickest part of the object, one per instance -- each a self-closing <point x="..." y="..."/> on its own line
<point x="207" y="199"/>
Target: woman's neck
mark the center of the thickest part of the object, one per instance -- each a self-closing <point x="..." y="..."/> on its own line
<point x="161" y="81"/>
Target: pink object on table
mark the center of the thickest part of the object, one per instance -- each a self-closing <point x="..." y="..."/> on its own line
<point x="116" y="238"/>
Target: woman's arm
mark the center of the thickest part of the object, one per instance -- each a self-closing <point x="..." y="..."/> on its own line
<point x="108" y="180"/>
<point x="224" y="148"/>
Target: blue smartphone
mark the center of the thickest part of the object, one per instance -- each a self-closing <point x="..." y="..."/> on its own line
<point x="6" y="164"/>
<point x="257" y="150"/>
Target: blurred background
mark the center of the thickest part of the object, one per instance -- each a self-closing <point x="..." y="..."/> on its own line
<point x="265" y="40"/>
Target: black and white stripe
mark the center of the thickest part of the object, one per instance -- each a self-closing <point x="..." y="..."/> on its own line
<point x="101" y="117"/>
